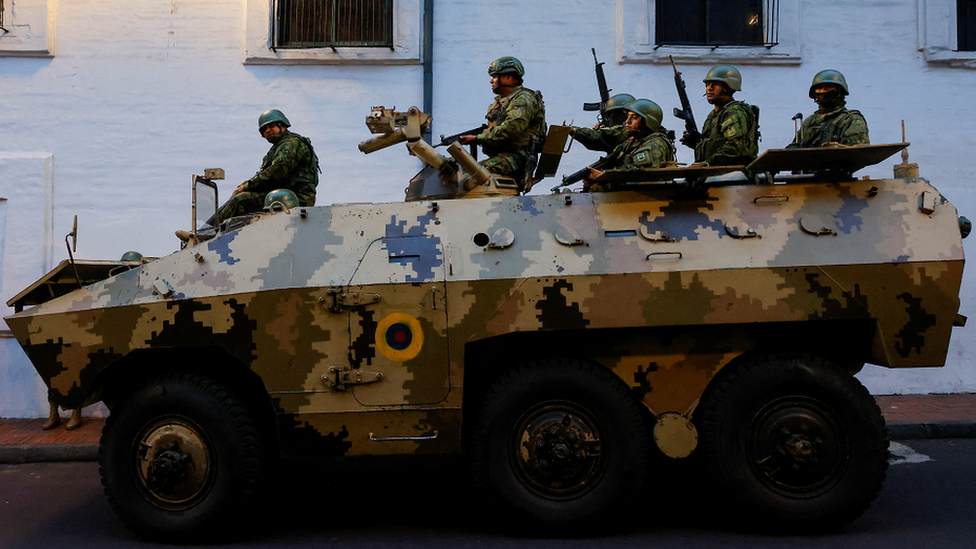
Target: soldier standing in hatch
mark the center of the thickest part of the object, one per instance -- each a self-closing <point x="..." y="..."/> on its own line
<point x="833" y="124"/>
<point x="730" y="135"/>
<point x="604" y="138"/>
<point x="646" y="146"/>
<point x="290" y="164"/>
<point x="516" y="122"/>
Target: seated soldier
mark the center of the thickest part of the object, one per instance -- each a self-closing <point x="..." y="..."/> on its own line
<point x="833" y="124"/>
<point x="646" y="146"/>
<point x="606" y="138"/>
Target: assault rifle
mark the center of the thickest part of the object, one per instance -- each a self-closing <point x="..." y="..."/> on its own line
<point x="446" y="141"/>
<point x="685" y="113"/>
<point x="600" y="164"/>
<point x="601" y="82"/>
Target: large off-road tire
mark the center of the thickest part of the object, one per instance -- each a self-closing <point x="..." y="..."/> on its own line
<point x="559" y="445"/>
<point x="181" y="457"/>
<point x="793" y="443"/>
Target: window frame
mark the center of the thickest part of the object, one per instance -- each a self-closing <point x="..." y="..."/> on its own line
<point x="636" y="23"/>
<point x="407" y="40"/>
<point x="938" y="38"/>
<point x="29" y="27"/>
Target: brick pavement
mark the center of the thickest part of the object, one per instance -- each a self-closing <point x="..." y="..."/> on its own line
<point x="907" y="416"/>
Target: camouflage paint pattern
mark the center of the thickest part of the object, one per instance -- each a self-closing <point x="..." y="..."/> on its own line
<point x="362" y="320"/>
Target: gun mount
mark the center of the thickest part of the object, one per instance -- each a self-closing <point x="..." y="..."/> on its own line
<point x="457" y="177"/>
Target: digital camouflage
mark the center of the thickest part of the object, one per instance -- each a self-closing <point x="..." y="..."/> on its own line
<point x="368" y="325"/>
<point x="838" y="125"/>
<point x="730" y="136"/>
<point x="514" y="120"/>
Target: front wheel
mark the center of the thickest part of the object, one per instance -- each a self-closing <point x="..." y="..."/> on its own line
<point x="560" y="444"/>
<point x="793" y="442"/>
<point x="182" y="456"/>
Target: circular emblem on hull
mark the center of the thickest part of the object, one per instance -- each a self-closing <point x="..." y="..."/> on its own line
<point x="399" y="337"/>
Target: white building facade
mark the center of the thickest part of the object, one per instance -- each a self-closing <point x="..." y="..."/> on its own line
<point x="109" y="106"/>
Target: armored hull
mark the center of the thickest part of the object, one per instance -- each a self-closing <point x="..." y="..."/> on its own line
<point x="367" y="329"/>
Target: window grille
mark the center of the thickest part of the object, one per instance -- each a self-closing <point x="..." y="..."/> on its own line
<point x="717" y="23"/>
<point x="966" y="25"/>
<point x="332" y="23"/>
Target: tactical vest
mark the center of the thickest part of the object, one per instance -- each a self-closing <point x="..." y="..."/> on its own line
<point x="739" y="151"/>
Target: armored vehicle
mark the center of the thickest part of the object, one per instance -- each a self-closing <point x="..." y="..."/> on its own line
<point x="568" y="343"/>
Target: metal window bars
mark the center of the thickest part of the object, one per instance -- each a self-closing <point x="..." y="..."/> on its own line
<point x="332" y="24"/>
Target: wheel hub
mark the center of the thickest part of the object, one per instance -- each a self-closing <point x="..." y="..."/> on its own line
<point x="559" y="450"/>
<point x="797" y="446"/>
<point x="173" y="462"/>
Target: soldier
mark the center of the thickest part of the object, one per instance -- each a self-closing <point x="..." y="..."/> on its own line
<point x="290" y="164"/>
<point x="646" y="146"/>
<point x="730" y="135"/>
<point x="833" y="124"/>
<point x="606" y="138"/>
<point x="516" y="122"/>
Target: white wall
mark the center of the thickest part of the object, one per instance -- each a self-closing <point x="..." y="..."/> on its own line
<point x="137" y="96"/>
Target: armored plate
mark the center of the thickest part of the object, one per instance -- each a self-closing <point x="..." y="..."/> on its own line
<point x="552" y="151"/>
<point x="839" y="159"/>
<point x="664" y="174"/>
<point x="62" y="280"/>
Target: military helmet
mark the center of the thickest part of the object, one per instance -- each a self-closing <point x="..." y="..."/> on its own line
<point x="280" y="199"/>
<point x="506" y="65"/>
<point x="269" y="117"/>
<point x="830" y="76"/>
<point x="618" y="102"/>
<point x="726" y="74"/>
<point x="649" y="111"/>
<point x="131" y="256"/>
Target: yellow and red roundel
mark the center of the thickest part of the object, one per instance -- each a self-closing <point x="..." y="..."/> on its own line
<point x="399" y="337"/>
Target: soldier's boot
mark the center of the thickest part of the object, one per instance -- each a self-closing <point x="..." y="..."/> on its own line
<point x="74" y="421"/>
<point x="53" y="418"/>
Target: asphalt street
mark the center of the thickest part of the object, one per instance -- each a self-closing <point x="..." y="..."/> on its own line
<point x="929" y="500"/>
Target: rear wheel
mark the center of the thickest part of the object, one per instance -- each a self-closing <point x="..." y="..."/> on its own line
<point x="793" y="442"/>
<point x="180" y="457"/>
<point x="559" y="443"/>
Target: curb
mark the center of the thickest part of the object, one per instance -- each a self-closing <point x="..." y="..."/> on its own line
<point x="38" y="453"/>
<point x="909" y="430"/>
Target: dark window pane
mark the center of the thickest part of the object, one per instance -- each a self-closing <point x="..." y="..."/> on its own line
<point x="711" y="22"/>
<point x="680" y="22"/>
<point x="966" y="24"/>
<point x="331" y="23"/>
<point x="735" y="22"/>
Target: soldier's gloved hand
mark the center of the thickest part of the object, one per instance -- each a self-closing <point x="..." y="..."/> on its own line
<point x="690" y="139"/>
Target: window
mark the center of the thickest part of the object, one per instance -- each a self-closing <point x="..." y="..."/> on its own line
<point x="716" y="22"/>
<point x="947" y="32"/>
<point x="966" y="25"/>
<point x="709" y="31"/>
<point x="333" y="23"/>
<point x="333" y="32"/>
<point x="27" y="28"/>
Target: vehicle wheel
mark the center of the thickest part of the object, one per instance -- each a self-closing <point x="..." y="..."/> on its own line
<point x="793" y="442"/>
<point x="180" y="457"/>
<point x="559" y="443"/>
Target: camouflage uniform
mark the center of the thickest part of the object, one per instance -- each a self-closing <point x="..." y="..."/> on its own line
<point x="513" y="122"/>
<point x="730" y="136"/>
<point x="651" y="151"/>
<point x="600" y="139"/>
<point x="835" y="125"/>
<point x="290" y="164"/>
